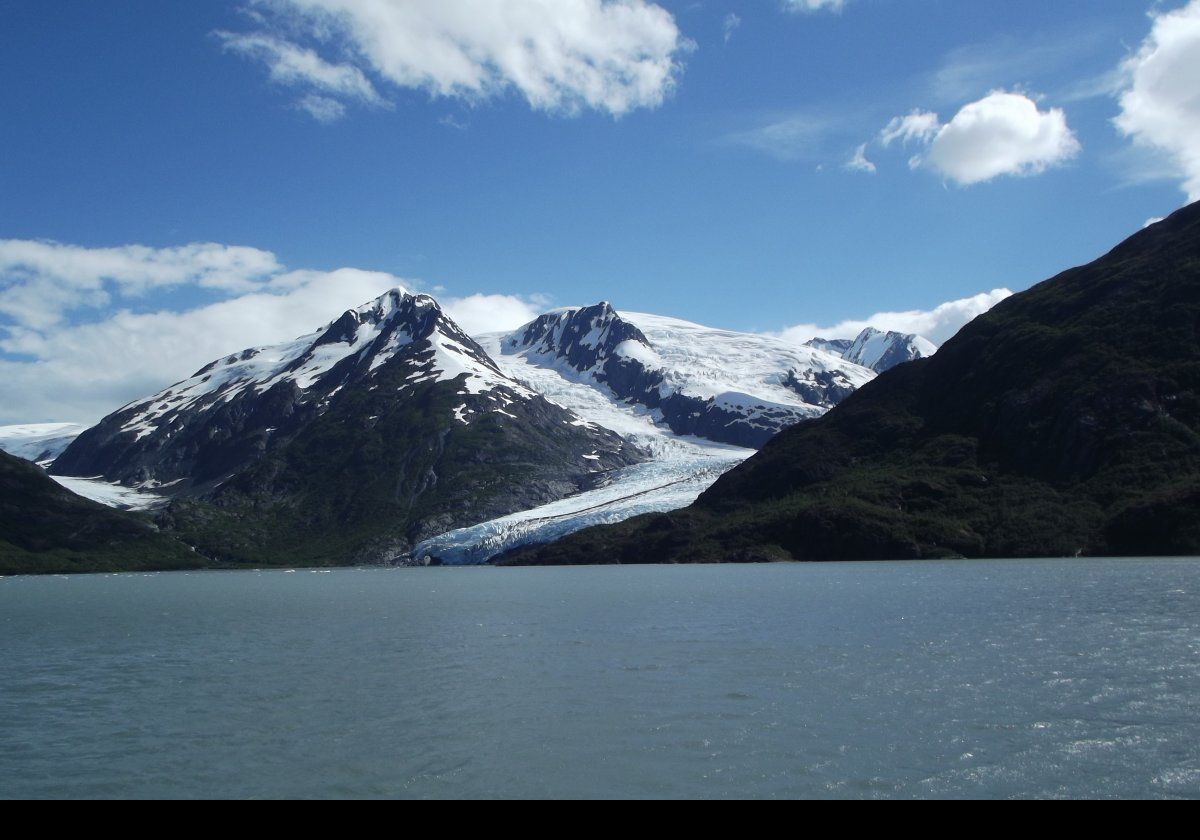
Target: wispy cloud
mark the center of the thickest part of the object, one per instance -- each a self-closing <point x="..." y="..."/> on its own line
<point x="293" y="66"/>
<point x="322" y="108"/>
<point x="730" y="25"/>
<point x="1007" y="61"/>
<point x="919" y="126"/>
<point x="814" y="5"/>
<point x="859" y="162"/>
<point x="790" y="137"/>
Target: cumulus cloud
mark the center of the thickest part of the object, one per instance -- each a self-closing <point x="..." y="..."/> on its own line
<point x="479" y="314"/>
<point x="1160" y="106"/>
<point x="42" y="281"/>
<point x="1001" y="134"/>
<point x="563" y="56"/>
<point x="859" y="162"/>
<point x="938" y="324"/>
<point x="80" y="372"/>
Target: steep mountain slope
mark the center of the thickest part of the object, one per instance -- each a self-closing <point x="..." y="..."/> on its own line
<point x="877" y="350"/>
<point x="1065" y="421"/>
<point x="41" y="442"/>
<point x="45" y="529"/>
<point x="727" y="387"/>
<point x="609" y="370"/>
<point x="348" y="445"/>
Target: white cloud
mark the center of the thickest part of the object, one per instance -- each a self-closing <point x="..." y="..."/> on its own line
<point x="938" y="324"/>
<point x="859" y="162"/>
<point x="562" y="56"/>
<point x="83" y="371"/>
<point x="322" y="108"/>
<point x="794" y="137"/>
<point x="814" y="5"/>
<point x="1160" y="104"/>
<point x="921" y="126"/>
<point x="292" y="65"/>
<point x="479" y="314"/>
<point x="1001" y="134"/>
<point x="40" y="282"/>
<point x="731" y="24"/>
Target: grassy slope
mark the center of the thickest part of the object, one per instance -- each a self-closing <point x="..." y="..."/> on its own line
<point x="45" y="529"/>
<point x="1065" y="421"/>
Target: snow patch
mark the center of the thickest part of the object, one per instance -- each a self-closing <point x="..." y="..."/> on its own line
<point x="111" y="495"/>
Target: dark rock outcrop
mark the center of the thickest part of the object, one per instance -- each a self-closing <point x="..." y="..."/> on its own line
<point x="1065" y="421"/>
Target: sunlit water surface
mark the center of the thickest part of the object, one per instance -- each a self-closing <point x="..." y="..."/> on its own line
<point x="1007" y="678"/>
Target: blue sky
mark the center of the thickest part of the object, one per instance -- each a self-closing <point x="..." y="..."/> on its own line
<point x="702" y="171"/>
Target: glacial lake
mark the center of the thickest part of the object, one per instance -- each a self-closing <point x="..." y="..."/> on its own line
<point x="995" y="679"/>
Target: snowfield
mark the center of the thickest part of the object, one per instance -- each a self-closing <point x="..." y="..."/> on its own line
<point x="41" y="442"/>
<point x="113" y="495"/>
<point x="734" y="367"/>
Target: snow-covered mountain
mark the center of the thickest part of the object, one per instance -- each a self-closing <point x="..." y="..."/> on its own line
<point x="235" y="409"/>
<point x="729" y="387"/>
<point x="835" y="346"/>
<point x="387" y="426"/>
<point x="634" y="373"/>
<point x="40" y="442"/>
<point x="877" y="350"/>
<point x="391" y="436"/>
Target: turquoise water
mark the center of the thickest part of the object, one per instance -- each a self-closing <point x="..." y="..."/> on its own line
<point x="1008" y="678"/>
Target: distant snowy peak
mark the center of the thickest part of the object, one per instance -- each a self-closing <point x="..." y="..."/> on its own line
<point x="359" y="342"/>
<point x="837" y="346"/>
<point x="41" y="443"/>
<point x="585" y="338"/>
<point x="249" y="402"/>
<point x="878" y="350"/>
<point x="395" y="326"/>
<point x="729" y="387"/>
<point x="592" y="342"/>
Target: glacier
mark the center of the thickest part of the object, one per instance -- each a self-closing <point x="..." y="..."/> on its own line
<point x="40" y="442"/>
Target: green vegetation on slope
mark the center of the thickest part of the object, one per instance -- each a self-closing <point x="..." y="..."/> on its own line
<point x="1066" y="421"/>
<point x="377" y="473"/>
<point x="46" y="529"/>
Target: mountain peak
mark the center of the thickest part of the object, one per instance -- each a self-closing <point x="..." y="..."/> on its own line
<point x="586" y="337"/>
<point x="878" y="350"/>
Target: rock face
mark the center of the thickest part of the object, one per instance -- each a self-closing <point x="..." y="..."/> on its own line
<point x="1065" y="421"/>
<point x="347" y="445"/>
<point x="732" y="388"/>
<point x="45" y="529"/>
<point x="877" y="350"/>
